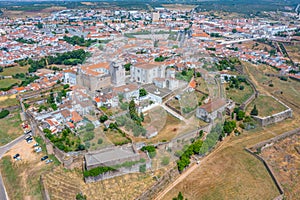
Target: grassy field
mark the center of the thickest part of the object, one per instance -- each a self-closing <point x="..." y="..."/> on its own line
<point x="188" y="102"/>
<point x="10" y="127"/>
<point x="258" y="71"/>
<point x="266" y="106"/>
<point x="6" y="101"/>
<point x="286" y="91"/>
<point x="5" y="83"/>
<point x="10" y="173"/>
<point x="293" y="52"/>
<point x="201" y="85"/>
<point x="239" y="96"/>
<point x="9" y="71"/>
<point x="256" y="46"/>
<point x="99" y="134"/>
<point x="115" y="137"/>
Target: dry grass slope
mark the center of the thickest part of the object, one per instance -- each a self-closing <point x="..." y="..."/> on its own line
<point x="231" y="173"/>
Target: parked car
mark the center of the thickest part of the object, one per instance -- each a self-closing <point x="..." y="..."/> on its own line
<point x="29" y="137"/>
<point x="44" y="158"/>
<point x="49" y="161"/>
<point x="27" y="132"/>
<point x="36" y="145"/>
<point x="38" y="150"/>
<point x="29" y="141"/>
<point x="16" y="156"/>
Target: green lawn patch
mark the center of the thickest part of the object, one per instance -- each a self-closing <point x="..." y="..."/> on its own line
<point x="8" y="82"/>
<point x="10" y="127"/>
<point x="266" y="105"/>
<point x="239" y="96"/>
<point x="9" y="71"/>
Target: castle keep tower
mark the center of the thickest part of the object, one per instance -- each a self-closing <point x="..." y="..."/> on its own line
<point x="117" y="73"/>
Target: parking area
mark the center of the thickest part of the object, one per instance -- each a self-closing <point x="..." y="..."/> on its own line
<point x="28" y="150"/>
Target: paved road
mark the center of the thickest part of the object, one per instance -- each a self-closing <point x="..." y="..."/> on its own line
<point x="3" y="150"/>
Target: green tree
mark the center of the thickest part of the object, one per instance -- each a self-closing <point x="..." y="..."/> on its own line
<point x="254" y="111"/>
<point x="240" y="115"/>
<point x="39" y="25"/>
<point x="4" y="113"/>
<point x="51" y="100"/>
<point x="66" y="86"/>
<point x="229" y="126"/>
<point x="127" y="66"/>
<point x="234" y="30"/>
<point x="150" y="149"/>
<point x="53" y="106"/>
<point x="133" y="114"/>
<point x="142" y="92"/>
<point x="142" y="116"/>
<point x="103" y="118"/>
<point x="179" y="197"/>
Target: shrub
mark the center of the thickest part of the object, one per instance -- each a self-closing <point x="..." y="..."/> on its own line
<point x="97" y="171"/>
<point x="142" y="168"/>
<point x="80" y="196"/>
<point x="100" y="141"/>
<point x="89" y="127"/>
<point x="242" y="126"/>
<point x="283" y="78"/>
<point x="87" y="144"/>
<point x="88" y="136"/>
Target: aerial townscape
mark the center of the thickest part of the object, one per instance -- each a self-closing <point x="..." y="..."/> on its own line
<point x="149" y="100"/>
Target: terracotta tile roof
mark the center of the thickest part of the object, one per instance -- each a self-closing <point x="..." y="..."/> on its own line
<point x="214" y="105"/>
<point x="65" y="113"/>
<point x="97" y="99"/>
<point x="76" y="117"/>
<point x="192" y="83"/>
<point x="147" y="65"/>
<point x="91" y="69"/>
<point x="70" y="124"/>
<point x="126" y="88"/>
